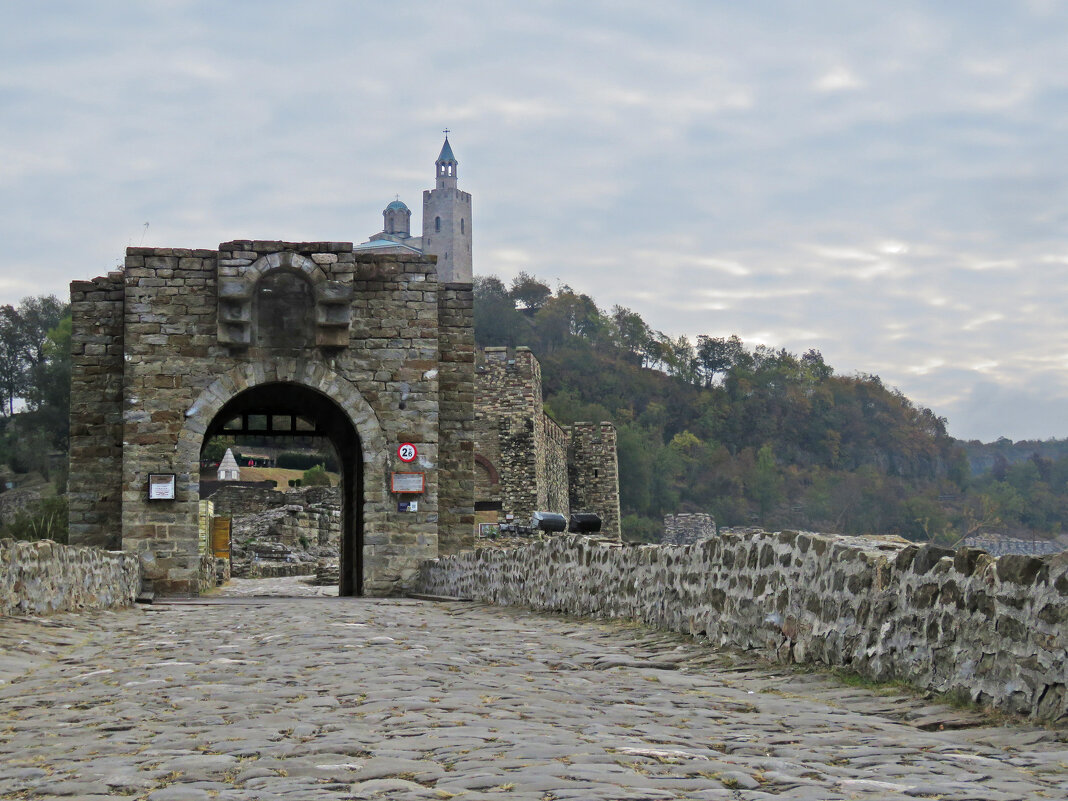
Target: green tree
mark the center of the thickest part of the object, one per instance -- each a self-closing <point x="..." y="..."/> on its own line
<point x="529" y="293"/>
<point x="767" y="482"/>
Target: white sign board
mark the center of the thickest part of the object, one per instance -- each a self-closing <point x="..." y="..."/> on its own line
<point x="161" y="486"/>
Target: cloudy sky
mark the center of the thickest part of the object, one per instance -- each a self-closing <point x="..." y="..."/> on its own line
<point x="886" y="185"/>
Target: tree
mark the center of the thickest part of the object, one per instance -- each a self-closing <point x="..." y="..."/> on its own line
<point x="766" y="486"/>
<point x="12" y="357"/>
<point x="48" y="391"/>
<point x="716" y="355"/>
<point x="496" y="320"/>
<point x="529" y="293"/>
<point x="24" y="344"/>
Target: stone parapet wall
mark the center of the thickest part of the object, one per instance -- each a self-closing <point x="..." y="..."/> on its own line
<point x="686" y="528"/>
<point x="41" y="578"/>
<point x="961" y="622"/>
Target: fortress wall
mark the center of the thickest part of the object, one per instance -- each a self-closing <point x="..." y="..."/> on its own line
<point x="94" y="486"/>
<point x="553" y="450"/>
<point x="40" y="578"/>
<point x="962" y="622"/>
<point x="456" y="445"/>
<point x="594" y="473"/>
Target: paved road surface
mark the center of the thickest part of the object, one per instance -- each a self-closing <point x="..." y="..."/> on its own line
<point x="327" y="698"/>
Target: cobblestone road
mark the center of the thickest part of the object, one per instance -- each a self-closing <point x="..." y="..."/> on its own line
<point x="322" y="698"/>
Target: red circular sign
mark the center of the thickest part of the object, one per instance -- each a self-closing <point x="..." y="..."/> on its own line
<point x="406" y="452"/>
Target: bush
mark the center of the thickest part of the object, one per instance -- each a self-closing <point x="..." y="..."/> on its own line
<point x="45" y="520"/>
<point x="316" y="477"/>
<point x="641" y="529"/>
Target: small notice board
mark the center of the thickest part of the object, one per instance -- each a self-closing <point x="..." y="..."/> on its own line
<point x="161" y="486"/>
<point x="407" y="482"/>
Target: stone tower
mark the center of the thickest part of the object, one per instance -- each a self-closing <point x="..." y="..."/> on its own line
<point x="447" y="221"/>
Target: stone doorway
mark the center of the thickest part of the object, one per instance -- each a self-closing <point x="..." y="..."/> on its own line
<point x="285" y="410"/>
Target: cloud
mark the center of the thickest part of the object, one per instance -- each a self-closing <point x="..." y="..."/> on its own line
<point x="888" y="188"/>
<point x="839" y="79"/>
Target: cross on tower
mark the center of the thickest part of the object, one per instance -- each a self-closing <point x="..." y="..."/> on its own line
<point x="446" y="132"/>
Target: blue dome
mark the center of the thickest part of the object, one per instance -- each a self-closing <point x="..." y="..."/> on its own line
<point x="397" y="205"/>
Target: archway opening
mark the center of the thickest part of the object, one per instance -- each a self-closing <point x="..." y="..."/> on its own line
<point x="281" y="411"/>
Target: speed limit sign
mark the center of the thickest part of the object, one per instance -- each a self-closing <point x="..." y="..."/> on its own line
<point x="406" y="452"/>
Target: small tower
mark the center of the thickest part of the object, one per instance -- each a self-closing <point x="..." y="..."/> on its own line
<point x="397" y="219"/>
<point x="228" y="469"/>
<point x="447" y="220"/>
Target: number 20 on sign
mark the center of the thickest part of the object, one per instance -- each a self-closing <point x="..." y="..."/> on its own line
<point x="406" y="452"/>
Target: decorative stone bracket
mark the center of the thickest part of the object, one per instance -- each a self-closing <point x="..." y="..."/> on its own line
<point x="333" y="301"/>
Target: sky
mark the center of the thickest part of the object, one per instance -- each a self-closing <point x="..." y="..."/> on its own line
<point x="886" y="183"/>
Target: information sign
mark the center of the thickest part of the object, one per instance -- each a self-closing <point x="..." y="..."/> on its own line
<point x="161" y="486"/>
<point x="408" y="482"/>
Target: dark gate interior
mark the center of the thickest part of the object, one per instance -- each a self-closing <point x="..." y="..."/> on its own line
<point x="292" y="410"/>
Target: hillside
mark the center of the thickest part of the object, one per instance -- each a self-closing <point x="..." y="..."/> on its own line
<point x="751" y="435"/>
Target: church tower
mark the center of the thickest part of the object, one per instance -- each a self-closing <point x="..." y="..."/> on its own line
<point x="447" y="221"/>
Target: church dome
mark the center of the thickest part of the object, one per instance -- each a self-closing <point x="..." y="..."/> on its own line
<point x="397" y="205"/>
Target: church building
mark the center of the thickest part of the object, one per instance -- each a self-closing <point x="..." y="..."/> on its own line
<point x="446" y="224"/>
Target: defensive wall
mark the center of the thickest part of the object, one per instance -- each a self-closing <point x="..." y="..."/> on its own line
<point x="960" y="621"/>
<point x="40" y="578"/>
<point x="525" y="462"/>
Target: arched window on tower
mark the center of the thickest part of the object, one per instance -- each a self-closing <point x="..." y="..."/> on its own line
<point x="437" y="224"/>
<point x="461" y="225"/>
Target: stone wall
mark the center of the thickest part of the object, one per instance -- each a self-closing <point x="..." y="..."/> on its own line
<point x="686" y="529"/>
<point x="94" y="485"/>
<point x="232" y="500"/>
<point x="594" y="474"/>
<point x="40" y="578"/>
<point x="507" y="410"/>
<point x="964" y="622"/>
<point x="456" y="425"/>
<point x="539" y="465"/>
<point x="552" y="448"/>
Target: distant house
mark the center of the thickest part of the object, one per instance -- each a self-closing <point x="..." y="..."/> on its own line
<point x="228" y="469"/>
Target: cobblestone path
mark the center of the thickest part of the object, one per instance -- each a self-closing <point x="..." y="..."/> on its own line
<point x="319" y="698"/>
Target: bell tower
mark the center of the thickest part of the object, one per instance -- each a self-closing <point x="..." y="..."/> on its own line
<point x="447" y="220"/>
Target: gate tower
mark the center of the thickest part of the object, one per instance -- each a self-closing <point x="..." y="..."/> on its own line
<point x="276" y="339"/>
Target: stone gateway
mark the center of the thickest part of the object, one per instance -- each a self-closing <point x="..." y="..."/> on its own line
<point x="366" y="349"/>
<point x="370" y="346"/>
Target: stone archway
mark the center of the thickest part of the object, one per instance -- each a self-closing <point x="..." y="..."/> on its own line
<point x="290" y="387"/>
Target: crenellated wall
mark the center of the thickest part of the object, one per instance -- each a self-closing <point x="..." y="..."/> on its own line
<point x="963" y="621"/>
<point x="40" y="578"/>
